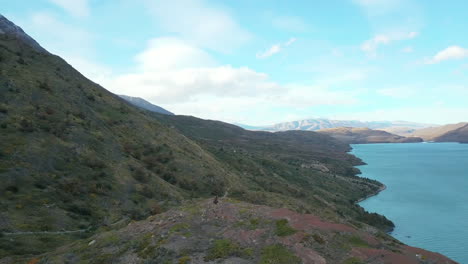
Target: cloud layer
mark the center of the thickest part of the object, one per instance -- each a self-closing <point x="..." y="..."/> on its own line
<point x="196" y="21"/>
<point x="275" y="49"/>
<point x="370" y="46"/>
<point x="450" y="53"/>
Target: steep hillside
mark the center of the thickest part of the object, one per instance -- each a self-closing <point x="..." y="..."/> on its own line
<point x="430" y="133"/>
<point x="142" y="103"/>
<point x="456" y="135"/>
<point x="352" y="135"/>
<point x="78" y="161"/>
<point x="75" y="157"/>
<point x="238" y="233"/>
<point x="302" y="170"/>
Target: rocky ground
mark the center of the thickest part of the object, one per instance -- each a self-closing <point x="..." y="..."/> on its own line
<point x="236" y="232"/>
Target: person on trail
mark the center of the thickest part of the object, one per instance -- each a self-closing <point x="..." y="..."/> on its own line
<point x="215" y="201"/>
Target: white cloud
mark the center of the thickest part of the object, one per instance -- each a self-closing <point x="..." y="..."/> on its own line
<point x="183" y="85"/>
<point x="370" y="46"/>
<point x="173" y="71"/>
<point x="171" y="53"/>
<point x="210" y="90"/>
<point x="204" y="25"/>
<point x="275" y="49"/>
<point x="78" y="8"/>
<point x="450" y="53"/>
<point x="290" y="23"/>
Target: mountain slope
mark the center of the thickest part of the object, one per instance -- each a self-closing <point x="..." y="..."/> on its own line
<point x="302" y="170"/>
<point x="241" y="233"/>
<point x="352" y="135"/>
<point x="77" y="161"/>
<point x="457" y="135"/>
<point x="142" y="103"/>
<point x="74" y="156"/>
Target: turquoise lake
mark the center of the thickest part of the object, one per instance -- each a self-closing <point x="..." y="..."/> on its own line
<point x="426" y="195"/>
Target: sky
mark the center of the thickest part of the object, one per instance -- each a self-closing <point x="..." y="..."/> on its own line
<point x="266" y="61"/>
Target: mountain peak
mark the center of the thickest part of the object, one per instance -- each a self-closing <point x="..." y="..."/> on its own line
<point x="9" y="29"/>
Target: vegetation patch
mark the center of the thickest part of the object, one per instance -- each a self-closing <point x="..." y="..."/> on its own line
<point x="283" y="228"/>
<point x="278" y="254"/>
<point x="356" y="241"/>
<point x="224" y="248"/>
<point x="318" y="239"/>
<point x="353" y="260"/>
<point x="179" y="227"/>
<point x="184" y="260"/>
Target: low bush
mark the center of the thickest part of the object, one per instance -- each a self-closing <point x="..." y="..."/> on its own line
<point x="283" y="228"/>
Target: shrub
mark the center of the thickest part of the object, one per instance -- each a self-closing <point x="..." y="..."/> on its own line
<point x="278" y="254"/>
<point x="318" y="239"/>
<point x="95" y="163"/>
<point x="140" y="175"/>
<point x="353" y="260"/>
<point x="283" y="228"/>
<point x="26" y="126"/>
<point x="225" y="248"/>
<point x="44" y="85"/>
<point x="357" y="241"/>
<point x="12" y="188"/>
<point x="91" y="97"/>
<point x="3" y="109"/>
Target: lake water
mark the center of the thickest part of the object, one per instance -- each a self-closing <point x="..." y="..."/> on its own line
<point x="426" y="195"/>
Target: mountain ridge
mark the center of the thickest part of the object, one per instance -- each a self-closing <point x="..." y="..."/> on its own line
<point x="142" y="103"/>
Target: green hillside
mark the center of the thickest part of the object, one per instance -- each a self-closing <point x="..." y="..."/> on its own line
<point x="74" y="157"/>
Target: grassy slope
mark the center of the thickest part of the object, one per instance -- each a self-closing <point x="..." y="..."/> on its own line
<point x="74" y="156"/>
<point x="281" y="168"/>
<point x="236" y="232"/>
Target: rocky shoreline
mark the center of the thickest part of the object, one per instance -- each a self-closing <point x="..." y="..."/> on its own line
<point x="384" y="187"/>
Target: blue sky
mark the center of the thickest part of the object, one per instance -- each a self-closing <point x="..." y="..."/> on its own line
<point x="266" y="61"/>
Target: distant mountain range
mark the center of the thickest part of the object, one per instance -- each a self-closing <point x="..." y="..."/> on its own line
<point x="354" y="131"/>
<point x="142" y="103"/>
<point x="323" y="123"/>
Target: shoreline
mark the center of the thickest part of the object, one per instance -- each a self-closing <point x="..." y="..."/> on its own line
<point x="382" y="188"/>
